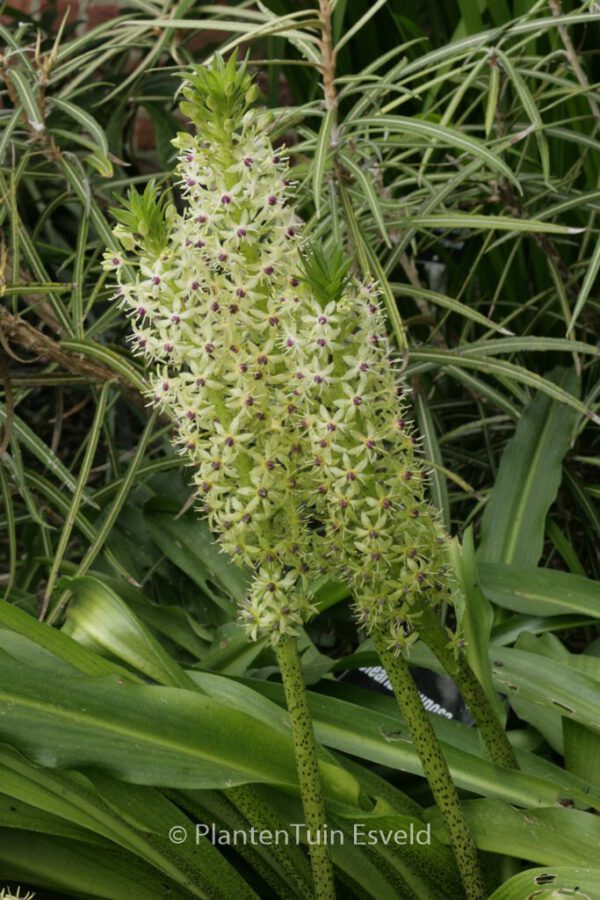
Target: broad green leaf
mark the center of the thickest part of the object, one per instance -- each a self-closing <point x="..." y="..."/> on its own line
<point x="57" y="643"/>
<point x="231" y="652"/>
<point x="204" y="869"/>
<point x="15" y="814"/>
<point x="77" y="868"/>
<point x="188" y="542"/>
<point x="145" y="734"/>
<point x="111" y="811"/>
<point x="513" y="523"/>
<point x="544" y="836"/>
<point x="287" y="874"/>
<point x="426" y="871"/>
<point x="552" y="883"/>
<point x="139" y="733"/>
<point x="171" y="622"/>
<point x="98" y="619"/>
<point x="582" y="751"/>
<point x="536" y="679"/>
<point x="507" y="632"/>
<point x="382" y="738"/>
<point x="539" y="592"/>
<point x="243" y="698"/>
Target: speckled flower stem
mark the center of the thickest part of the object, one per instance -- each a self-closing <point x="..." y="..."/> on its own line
<point x="290" y="666"/>
<point x="435" y="769"/>
<point x="492" y="733"/>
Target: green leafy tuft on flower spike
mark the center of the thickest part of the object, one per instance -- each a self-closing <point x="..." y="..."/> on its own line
<point x="143" y="220"/>
<point x="325" y="274"/>
<point x="275" y="366"/>
<point x="218" y="97"/>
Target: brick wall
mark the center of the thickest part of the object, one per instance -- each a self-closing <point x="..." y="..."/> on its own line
<point x="86" y="13"/>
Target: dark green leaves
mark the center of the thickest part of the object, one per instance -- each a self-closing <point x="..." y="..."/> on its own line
<point x="528" y="479"/>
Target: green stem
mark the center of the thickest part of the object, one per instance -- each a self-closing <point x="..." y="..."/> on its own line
<point x="489" y="725"/>
<point x="435" y="769"/>
<point x="309" y="779"/>
<point x="291" y="859"/>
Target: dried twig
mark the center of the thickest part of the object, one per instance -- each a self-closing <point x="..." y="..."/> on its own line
<point x="16" y="330"/>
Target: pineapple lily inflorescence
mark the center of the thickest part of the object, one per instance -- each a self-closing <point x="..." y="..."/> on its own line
<point x="274" y="364"/>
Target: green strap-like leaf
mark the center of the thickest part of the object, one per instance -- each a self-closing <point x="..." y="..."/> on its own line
<point x="513" y="524"/>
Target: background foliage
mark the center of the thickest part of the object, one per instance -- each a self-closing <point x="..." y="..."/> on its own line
<point x="457" y="159"/>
